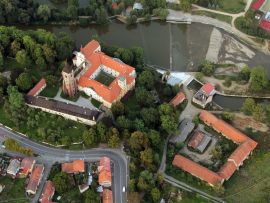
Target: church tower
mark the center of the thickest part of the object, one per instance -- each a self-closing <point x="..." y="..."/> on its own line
<point x="69" y="81"/>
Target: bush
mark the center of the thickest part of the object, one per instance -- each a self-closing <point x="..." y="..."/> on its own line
<point x="227" y="82"/>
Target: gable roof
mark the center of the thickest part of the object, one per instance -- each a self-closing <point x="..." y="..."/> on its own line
<point x="107" y="196"/>
<point x="47" y="192"/>
<point x="35" y="178"/>
<point x="227" y="170"/>
<point x="89" y="48"/>
<point x="77" y="166"/>
<point x="37" y="87"/>
<point x="265" y="24"/>
<point x="208" y="88"/>
<point x="257" y="4"/>
<point x="197" y="170"/>
<point x="223" y="127"/>
<point x="105" y="175"/>
<point x="179" y="98"/>
<point x="27" y="165"/>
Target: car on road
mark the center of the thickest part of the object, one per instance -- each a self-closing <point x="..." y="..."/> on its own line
<point x="124" y="189"/>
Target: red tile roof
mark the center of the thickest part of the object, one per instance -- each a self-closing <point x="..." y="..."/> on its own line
<point x="223" y="127"/>
<point x="196" y="139"/>
<point x="197" y="170"/>
<point x="227" y="170"/>
<point x="37" y="87"/>
<point x="104" y="164"/>
<point x="48" y="192"/>
<point x="107" y="196"/>
<point x="208" y="88"/>
<point x="242" y="152"/>
<point x="105" y="175"/>
<point x="76" y="166"/>
<point x="265" y="24"/>
<point x="89" y="48"/>
<point x="111" y="93"/>
<point x="27" y="166"/>
<point x="178" y="99"/>
<point x="257" y="4"/>
<point x="35" y="178"/>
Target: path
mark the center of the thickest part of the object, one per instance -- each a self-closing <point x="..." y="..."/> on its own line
<point x="162" y="167"/>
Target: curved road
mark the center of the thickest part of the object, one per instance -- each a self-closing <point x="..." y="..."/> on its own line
<point x="51" y="154"/>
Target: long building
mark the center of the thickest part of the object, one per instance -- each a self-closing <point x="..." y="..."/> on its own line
<point x="236" y="159"/>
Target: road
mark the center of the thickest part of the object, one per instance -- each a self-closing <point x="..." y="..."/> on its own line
<point x="51" y="154"/>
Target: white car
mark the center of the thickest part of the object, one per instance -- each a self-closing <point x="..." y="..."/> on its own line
<point x="124" y="189"/>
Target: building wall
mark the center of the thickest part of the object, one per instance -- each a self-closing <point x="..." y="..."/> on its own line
<point x="69" y="84"/>
<point x="67" y="116"/>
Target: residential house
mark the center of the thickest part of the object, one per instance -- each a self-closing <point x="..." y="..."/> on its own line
<point x="13" y="167"/>
<point x="35" y="179"/>
<point x="27" y="165"/>
<point x="178" y="99"/>
<point x="105" y="175"/>
<point x="107" y="196"/>
<point x="48" y="192"/>
<point x="76" y="166"/>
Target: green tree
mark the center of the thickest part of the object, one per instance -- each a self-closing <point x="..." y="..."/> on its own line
<point x="258" y="112"/>
<point x="162" y="13"/>
<point x="248" y="106"/>
<point x="1" y="61"/>
<point x="245" y="73"/>
<point x="168" y="123"/>
<point x="24" y="81"/>
<point x="91" y="196"/>
<point x="101" y="132"/>
<point x="146" y="79"/>
<point x="146" y="157"/>
<point x="155" y="194"/>
<point x="138" y="55"/>
<point x="15" y="98"/>
<point x="138" y="140"/>
<point x="15" y="47"/>
<point x="49" y="53"/>
<point x="3" y="82"/>
<point x="207" y="68"/>
<point x="62" y="182"/>
<point x="72" y="12"/>
<point x="259" y="79"/>
<point x="118" y="109"/>
<point x="185" y="5"/>
<point x="89" y="137"/>
<point x="123" y="122"/>
<point x="150" y="116"/>
<point x="44" y="12"/>
<point x="154" y="137"/>
<point x="114" y="140"/>
<point x="23" y="59"/>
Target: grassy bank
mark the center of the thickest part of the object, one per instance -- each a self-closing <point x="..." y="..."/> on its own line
<point x="227" y="19"/>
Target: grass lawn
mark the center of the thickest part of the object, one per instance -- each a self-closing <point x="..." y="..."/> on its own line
<point x="14" y="189"/>
<point x="251" y="183"/>
<point x="227" y="19"/>
<point x="104" y="78"/>
<point x="49" y="92"/>
<point x="73" y="99"/>
<point x="4" y="119"/>
<point x="233" y="6"/>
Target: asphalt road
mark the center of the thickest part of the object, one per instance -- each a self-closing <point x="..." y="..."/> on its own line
<point x="52" y="154"/>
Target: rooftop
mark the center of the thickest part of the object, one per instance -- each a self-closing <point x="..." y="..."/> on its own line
<point x="178" y="99"/>
<point x="37" y="87"/>
<point x="107" y="196"/>
<point x="47" y="192"/>
<point x="185" y="128"/>
<point x="257" y="4"/>
<point x="265" y="24"/>
<point x="27" y="165"/>
<point x="35" y="178"/>
<point x="76" y="166"/>
<point x="208" y="88"/>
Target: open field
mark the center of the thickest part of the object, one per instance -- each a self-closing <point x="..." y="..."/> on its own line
<point x="233" y="6"/>
<point x="266" y="6"/>
<point x="227" y="19"/>
<point x="50" y="92"/>
<point x="104" y="78"/>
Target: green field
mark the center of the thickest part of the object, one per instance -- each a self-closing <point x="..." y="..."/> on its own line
<point x="233" y="6"/>
<point x="266" y="6"/>
<point x="14" y="190"/>
<point x="104" y="78"/>
<point x="227" y="19"/>
<point x="50" y="92"/>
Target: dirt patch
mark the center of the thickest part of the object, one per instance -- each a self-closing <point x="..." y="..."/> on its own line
<point x="242" y="122"/>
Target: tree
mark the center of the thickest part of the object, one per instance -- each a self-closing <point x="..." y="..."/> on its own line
<point x="101" y="16"/>
<point x="138" y="56"/>
<point x="227" y="116"/>
<point x="258" y="112"/>
<point x="155" y="194"/>
<point x="114" y="140"/>
<point x="248" y="106"/>
<point x="162" y="13"/>
<point x="15" y="98"/>
<point x="1" y="61"/>
<point x="61" y="182"/>
<point x="24" y="81"/>
<point x="23" y="59"/>
<point x="259" y="79"/>
<point x="150" y="116"/>
<point x="138" y="140"/>
<point x="49" y="53"/>
<point x="3" y="82"/>
<point x="245" y="74"/>
<point x="89" y="137"/>
<point x="123" y="122"/>
<point x="15" y="47"/>
<point x="207" y="68"/>
<point x="168" y="123"/>
<point x="143" y="97"/>
<point x="146" y="79"/>
<point x="185" y="5"/>
<point x="72" y="12"/>
<point x="154" y="138"/>
<point x="91" y="196"/>
<point x="118" y="109"/>
<point x="44" y="12"/>
<point x="101" y="132"/>
<point x="51" y="80"/>
<point x="146" y="157"/>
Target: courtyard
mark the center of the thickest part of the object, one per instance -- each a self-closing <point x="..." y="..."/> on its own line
<point x="104" y="78"/>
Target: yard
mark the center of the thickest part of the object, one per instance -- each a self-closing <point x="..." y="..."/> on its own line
<point x="14" y="190"/>
<point x="104" y="78"/>
<point x="233" y="6"/>
<point x="49" y="91"/>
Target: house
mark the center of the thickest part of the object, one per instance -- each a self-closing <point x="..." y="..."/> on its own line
<point x="48" y="192"/>
<point x="199" y="141"/>
<point x="27" y="165"/>
<point x="37" y="88"/>
<point x="178" y="99"/>
<point x="257" y="4"/>
<point x="35" y="179"/>
<point x="205" y="95"/>
<point x="105" y="175"/>
<point x="76" y="166"/>
<point x="107" y="196"/>
<point x="185" y="128"/>
<point x="265" y="24"/>
<point x="91" y="63"/>
<point x="197" y="170"/>
<point x="13" y="167"/>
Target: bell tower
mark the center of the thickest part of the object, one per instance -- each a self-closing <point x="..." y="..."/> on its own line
<point x="69" y="82"/>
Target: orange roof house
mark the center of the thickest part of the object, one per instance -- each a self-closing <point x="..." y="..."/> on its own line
<point x="107" y="196"/>
<point x="35" y="179"/>
<point x="27" y="165"/>
<point x="77" y="166"/>
<point x="48" y="192"/>
<point x="197" y="170"/>
<point x="208" y="88"/>
<point x="178" y="99"/>
<point x="37" y="88"/>
<point x="236" y="159"/>
<point x="96" y="61"/>
<point x="196" y="139"/>
<point x="105" y="175"/>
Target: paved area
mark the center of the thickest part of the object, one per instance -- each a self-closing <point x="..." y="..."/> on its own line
<point x="83" y="102"/>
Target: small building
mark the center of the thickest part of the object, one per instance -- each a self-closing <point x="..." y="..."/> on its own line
<point x="35" y="178"/>
<point x="83" y="188"/>
<point x="76" y="166"/>
<point x="265" y="24"/>
<point x="27" y="165"/>
<point x="257" y="4"/>
<point x="48" y="192"/>
<point x="107" y="196"/>
<point x="184" y="129"/>
<point x="205" y="95"/>
<point x="199" y="141"/>
<point x="37" y="88"/>
<point x="137" y="6"/>
<point x="13" y="167"/>
<point x="178" y="99"/>
<point x="105" y="174"/>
